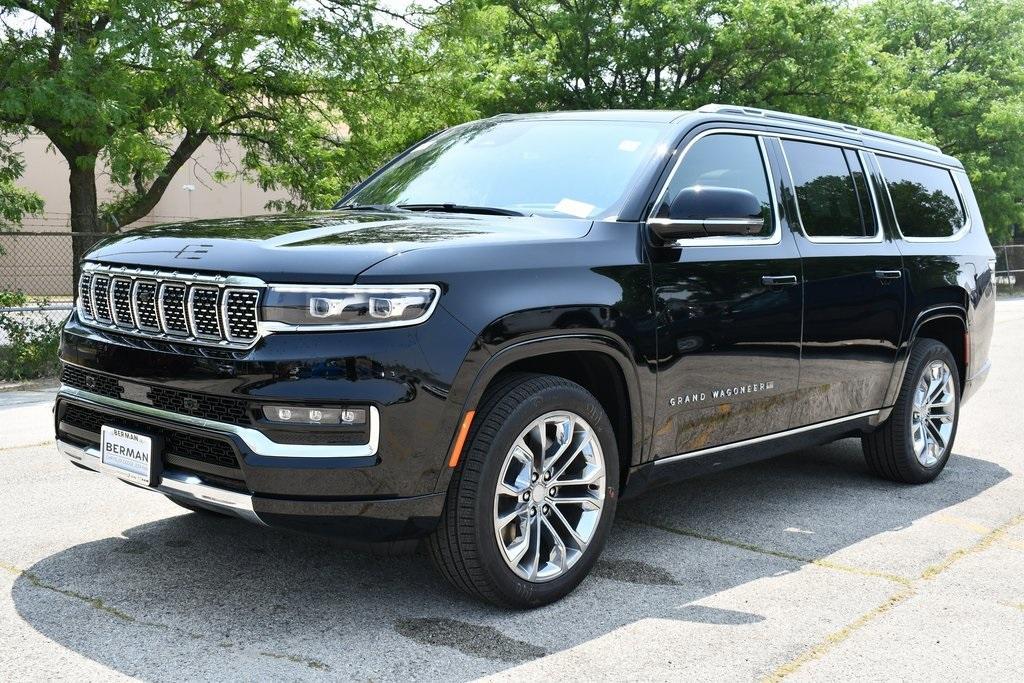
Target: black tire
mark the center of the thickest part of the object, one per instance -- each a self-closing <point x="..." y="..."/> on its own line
<point x="464" y="548"/>
<point x="889" y="449"/>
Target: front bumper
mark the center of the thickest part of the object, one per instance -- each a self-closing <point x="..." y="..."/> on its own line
<point x="363" y="519"/>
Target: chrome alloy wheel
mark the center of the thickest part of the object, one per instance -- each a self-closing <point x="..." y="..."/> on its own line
<point x="549" y="496"/>
<point x="934" y="410"/>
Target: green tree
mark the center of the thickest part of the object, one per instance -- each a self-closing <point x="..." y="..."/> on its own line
<point x="139" y="85"/>
<point x="15" y="202"/>
<point x="804" y="56"/>
<point x="958" y="69"/>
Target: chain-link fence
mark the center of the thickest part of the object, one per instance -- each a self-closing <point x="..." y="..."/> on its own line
<point x="1010" y="268"/>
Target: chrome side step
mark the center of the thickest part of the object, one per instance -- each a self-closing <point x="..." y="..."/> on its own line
<point x="766" y="437"/>
<point x="174" y="484"/>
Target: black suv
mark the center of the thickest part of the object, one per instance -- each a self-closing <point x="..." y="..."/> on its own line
<point x="520" y="320"/>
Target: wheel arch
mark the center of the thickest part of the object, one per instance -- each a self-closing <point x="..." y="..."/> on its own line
<point x="587" y="358"/>
<point x="946" y="323"/>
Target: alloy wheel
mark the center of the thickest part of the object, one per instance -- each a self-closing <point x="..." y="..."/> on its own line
<point x="549" y="496"/>
<point x="931" y="425"/>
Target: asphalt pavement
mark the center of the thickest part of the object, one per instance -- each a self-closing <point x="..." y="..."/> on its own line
<point x="801" y="567"/>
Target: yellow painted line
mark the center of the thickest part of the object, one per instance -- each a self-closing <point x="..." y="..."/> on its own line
<point x="48" y="442"/>
<point x="961" y="523"/>
<point x="816" y="652"/>
<point x="742" y="545"/>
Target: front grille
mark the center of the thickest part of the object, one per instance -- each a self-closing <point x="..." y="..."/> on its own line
<point x="199" y="309"/>
<point x="217" y="408"/>
<point x="91" y="381"/>
<point x="176" y="443"/>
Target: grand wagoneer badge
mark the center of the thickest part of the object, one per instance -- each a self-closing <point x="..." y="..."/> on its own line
<point x="721" y="393"/>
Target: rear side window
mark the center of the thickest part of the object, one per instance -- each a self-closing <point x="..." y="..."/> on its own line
<point x="723" y="160"/>
<point x="831" y="190"/>
<point x="924" y="198"/>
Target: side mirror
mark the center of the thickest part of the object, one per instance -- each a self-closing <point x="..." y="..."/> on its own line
<point x="700" y="211"/>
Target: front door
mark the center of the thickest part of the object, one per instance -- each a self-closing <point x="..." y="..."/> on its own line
<point x="729" y="310"/>
<point x="853" y="283"/>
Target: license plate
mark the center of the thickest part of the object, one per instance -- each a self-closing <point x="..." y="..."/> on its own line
<point x="129" y="455"/>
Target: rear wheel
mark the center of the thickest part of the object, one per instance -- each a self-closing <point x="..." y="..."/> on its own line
<point x="532" y="501"/>
<point x="914" y="444"/>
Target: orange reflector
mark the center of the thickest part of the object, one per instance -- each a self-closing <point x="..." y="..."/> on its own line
<point x="460" y="441"/>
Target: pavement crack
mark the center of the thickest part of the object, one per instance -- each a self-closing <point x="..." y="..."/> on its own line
<point x="832" y="640"/>
<point x="100" y="604"/>
<point x="296" y="659"/>
<point x="750" y="547"/>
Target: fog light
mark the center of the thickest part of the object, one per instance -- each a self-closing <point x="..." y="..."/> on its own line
<point x="313" y="416"/>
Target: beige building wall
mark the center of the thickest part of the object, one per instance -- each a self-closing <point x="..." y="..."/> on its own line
<point x="41" y="265"/>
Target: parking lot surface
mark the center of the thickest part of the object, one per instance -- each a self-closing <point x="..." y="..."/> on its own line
<point x="796" y="568"/>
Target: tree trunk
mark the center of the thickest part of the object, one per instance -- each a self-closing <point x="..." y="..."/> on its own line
<point x="85" y="217"/>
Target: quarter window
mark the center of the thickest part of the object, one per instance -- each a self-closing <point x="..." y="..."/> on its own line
<point x="723" y="160"/>
<point x="924" y="198"/>
<point x="831" y="190"/>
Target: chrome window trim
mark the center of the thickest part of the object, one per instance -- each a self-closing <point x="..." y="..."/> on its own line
<point x="190" y="312"/>
<point x="774" y="238"/>
<point x="877" y="237"/>
<point x="258" y="442"/>
<point x="956" y="236"/>
<point x="271" y="326"/>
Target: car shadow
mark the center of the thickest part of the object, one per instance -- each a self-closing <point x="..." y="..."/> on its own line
<point x="218" y="592"/>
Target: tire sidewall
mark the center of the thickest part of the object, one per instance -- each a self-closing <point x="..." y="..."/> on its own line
<point x="515" y="590"/>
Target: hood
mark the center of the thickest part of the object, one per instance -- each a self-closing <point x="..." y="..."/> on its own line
<point x="330" y="247"/>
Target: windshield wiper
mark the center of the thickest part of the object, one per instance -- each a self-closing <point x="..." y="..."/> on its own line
<point x="462" y="208"/>
<point x="370" y="207"/>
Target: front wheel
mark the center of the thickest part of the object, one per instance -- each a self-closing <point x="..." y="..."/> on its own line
<point x="914" y="444"/>
<point x="532" y="501"/>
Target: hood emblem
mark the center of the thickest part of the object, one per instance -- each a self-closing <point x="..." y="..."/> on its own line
<point x="193" y="251"/>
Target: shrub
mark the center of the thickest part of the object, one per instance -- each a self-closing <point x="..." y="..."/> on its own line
<point x="28" y="340"/>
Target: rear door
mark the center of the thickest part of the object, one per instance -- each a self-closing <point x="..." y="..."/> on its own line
<point x="728" y="309"/>
<point x="854" y="282"/>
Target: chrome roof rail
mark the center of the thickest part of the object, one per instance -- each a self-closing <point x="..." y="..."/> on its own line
<point x="812" y="121"/>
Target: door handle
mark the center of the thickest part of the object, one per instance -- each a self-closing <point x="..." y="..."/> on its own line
<point x="778" y="280"/>
<point x="888" y="274"/>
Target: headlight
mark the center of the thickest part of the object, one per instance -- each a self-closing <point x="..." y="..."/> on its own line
<point x="347" y="307"/>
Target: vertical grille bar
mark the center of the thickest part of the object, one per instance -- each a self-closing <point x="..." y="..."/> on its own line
<point x="197" y="308"/>
<point x="144" y="306"/>
<point x="85" y="296"/>
<point x="171" y="305"/>
<point x="203" y="312"/>
<point x="101" y="298"/>
<point x="240" y="314"/>
<point x="121" y="298"/>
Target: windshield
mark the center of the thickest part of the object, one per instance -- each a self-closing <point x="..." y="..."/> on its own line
<point x="550" y="167"/>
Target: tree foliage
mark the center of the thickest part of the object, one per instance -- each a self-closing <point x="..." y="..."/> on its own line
<point x="320" y="93"/>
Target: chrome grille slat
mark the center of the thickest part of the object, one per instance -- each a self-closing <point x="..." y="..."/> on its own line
<point x="171" y="306"/>
<point x="121" y="302"/>
<point x="204" y="316"/>
<point x="209" y="310"/>
<point x="85" y="296"/>
<point x="101" y="298"/>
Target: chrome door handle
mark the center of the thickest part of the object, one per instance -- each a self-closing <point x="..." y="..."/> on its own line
<point x="778" y="280"/>
<point x="888" y="274"/>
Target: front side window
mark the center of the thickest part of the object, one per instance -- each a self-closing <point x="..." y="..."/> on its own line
<point x="924" y="198"/>
<point x="723" y="160"/>
<point x="560" y="168"/>
<point x="831" y="195"/>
